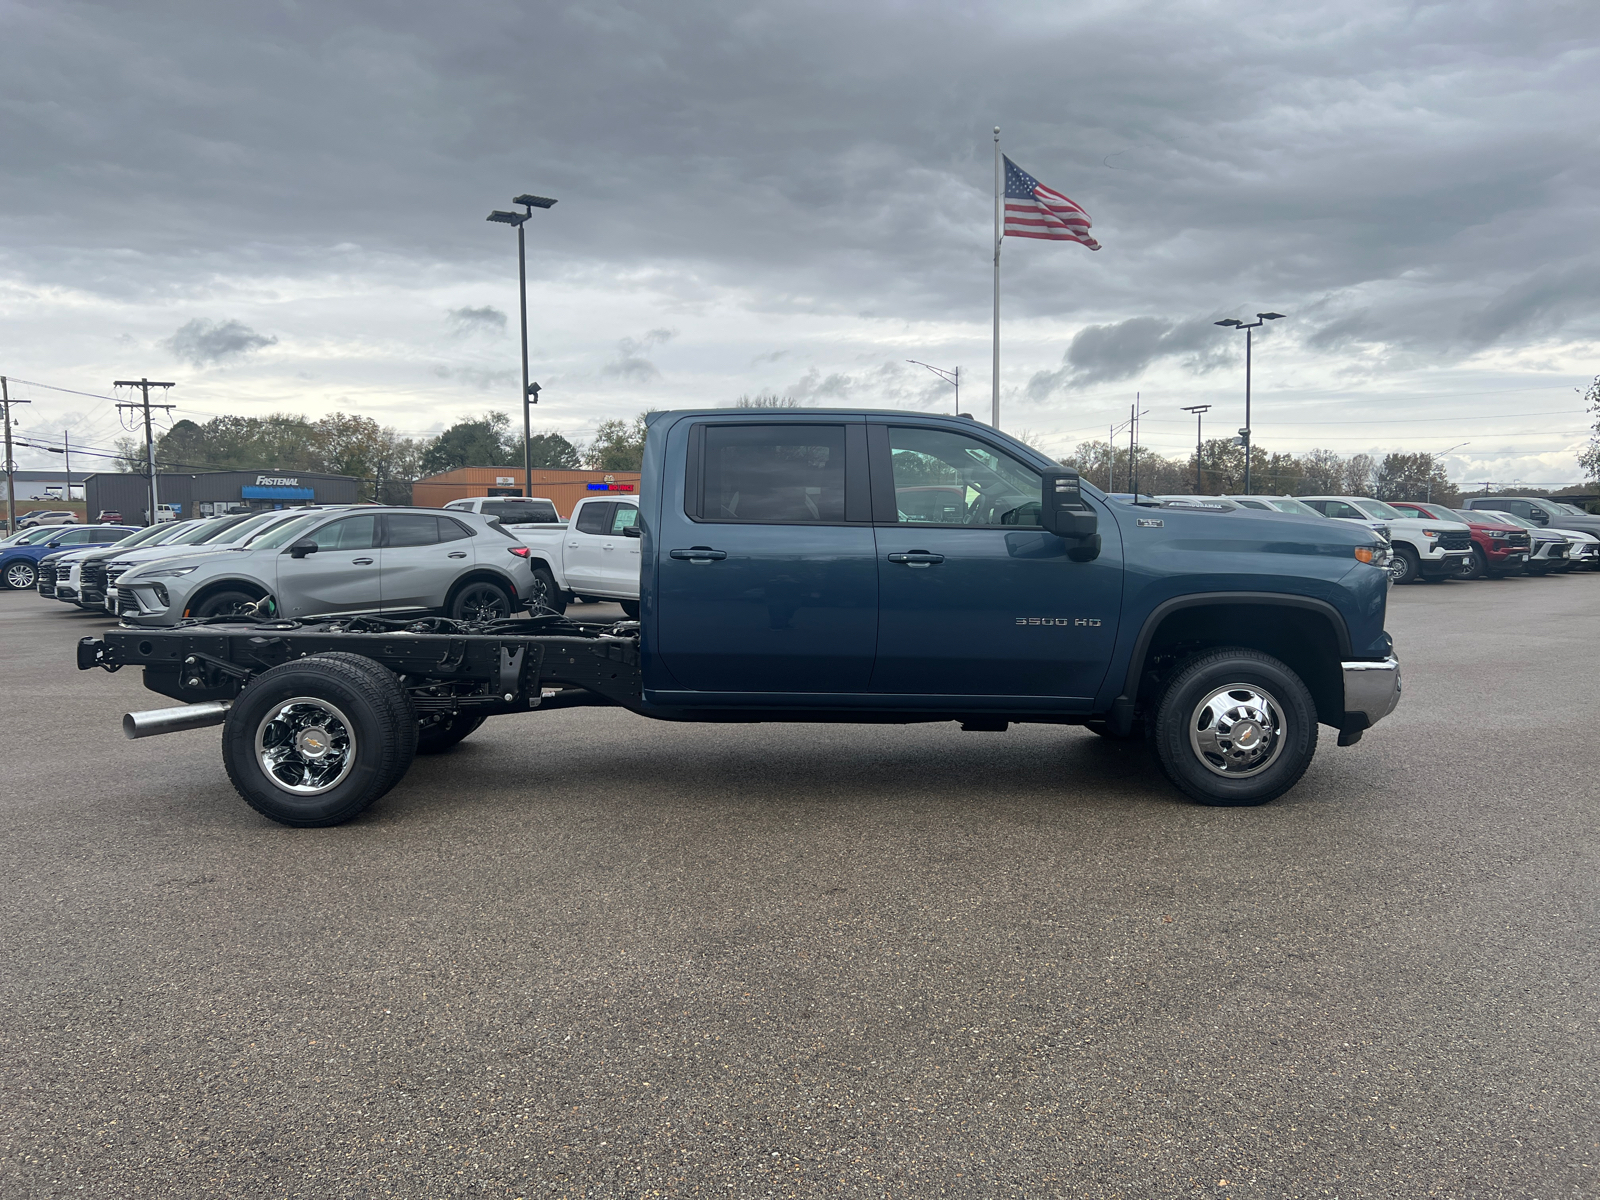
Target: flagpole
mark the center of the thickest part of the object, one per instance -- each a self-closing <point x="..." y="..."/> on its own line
<point x="995" y="381"/>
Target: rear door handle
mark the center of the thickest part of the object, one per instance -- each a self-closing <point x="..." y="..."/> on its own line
<point x="917" y="558"/>
<point x="362" y="562"/>
<point x="700" y="554"/>
<point x="458" y="554"/>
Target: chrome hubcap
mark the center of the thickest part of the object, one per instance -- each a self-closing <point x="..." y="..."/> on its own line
<point x="305" y="746"/>
<point x="20" y="576"/>
<point x="1237" y="731"/>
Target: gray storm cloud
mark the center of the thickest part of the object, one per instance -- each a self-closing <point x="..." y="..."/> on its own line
<point x="484" y="319"/>
<point x="202" y="343"/>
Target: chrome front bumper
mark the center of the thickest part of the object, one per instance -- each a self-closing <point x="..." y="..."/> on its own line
<point x="1371" y="689"/>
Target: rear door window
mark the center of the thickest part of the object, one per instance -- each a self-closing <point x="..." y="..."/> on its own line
<point x="595" y="518"/>
<point x="773" y="474"/>
<point x="410" y="529"/>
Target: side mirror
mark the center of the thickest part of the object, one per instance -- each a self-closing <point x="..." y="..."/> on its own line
<point x="302" y="548"/>
<point x="632" y="531"/>
<point x="1538" y="517"/>
<point x="1062" y="509"/>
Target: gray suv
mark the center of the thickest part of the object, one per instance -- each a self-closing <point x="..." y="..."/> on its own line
<point x="1548" y="512"/>
<point x="379" y="561"/>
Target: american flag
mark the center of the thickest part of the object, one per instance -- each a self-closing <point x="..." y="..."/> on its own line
<point x="1035" y="211"/>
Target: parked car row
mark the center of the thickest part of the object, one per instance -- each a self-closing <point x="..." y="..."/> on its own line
<point x="1491" y="537"/>
<point x="300" y="562"/>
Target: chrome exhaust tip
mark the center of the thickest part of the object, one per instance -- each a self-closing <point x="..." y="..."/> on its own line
<point x="175" y="720"/>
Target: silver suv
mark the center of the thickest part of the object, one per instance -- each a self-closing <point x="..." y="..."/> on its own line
<point x="369" y="560"/>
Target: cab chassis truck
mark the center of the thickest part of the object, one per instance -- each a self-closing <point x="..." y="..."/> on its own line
<point x="840" y="566"/>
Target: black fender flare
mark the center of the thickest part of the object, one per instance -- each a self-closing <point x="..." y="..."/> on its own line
<point x="1120" y="716"/>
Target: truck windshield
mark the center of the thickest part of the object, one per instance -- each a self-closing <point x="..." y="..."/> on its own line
<point x="1288" y="504"/>
<point x="1377" y="508"/>
<point x="200" y="531"/>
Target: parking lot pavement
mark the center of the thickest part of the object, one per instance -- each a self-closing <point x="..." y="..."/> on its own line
<point x="593" y="955"/>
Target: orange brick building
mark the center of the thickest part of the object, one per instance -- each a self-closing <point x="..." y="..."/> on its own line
<point x="563" y="487"/>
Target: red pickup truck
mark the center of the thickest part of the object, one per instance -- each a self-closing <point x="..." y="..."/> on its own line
<point x="1498" y="549"/>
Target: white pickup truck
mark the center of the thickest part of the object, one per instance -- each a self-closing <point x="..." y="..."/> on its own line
<point x="589" y="556"/>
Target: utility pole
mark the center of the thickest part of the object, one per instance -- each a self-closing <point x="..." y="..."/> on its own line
<point x="1133" y="432"/>
<point x="11" y="467"/>
<point x="144" y="385"/>
<point x="66" y="449"/>
<point x="1199" y="411"/>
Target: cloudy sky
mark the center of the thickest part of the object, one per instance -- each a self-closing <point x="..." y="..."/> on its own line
<point x="280" y="206"/>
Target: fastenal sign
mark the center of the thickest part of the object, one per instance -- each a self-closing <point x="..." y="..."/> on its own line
<point x="277" y="481"/>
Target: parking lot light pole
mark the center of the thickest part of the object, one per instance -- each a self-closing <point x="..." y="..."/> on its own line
<point x="1199" y="411"/>
<point x="529" y="203"/>
<point x="948" y="376"/>
<point x="1442" y="453"/>
<point x="1244" y="434"/>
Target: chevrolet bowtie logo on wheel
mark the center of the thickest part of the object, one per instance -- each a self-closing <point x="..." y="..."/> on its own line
<point x="1082" y="622"/>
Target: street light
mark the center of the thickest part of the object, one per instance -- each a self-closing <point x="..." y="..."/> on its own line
<point x="1199" y="411"/>
<point x="1442" y="453"/>
<point x="948" y="376"/>
<point x="1234" y="323"/>
<point x="529" y="203"/>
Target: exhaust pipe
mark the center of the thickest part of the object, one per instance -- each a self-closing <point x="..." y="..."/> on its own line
<point x="175" y="720"/>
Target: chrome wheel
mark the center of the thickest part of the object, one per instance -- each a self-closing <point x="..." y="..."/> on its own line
<point x="1237" y="731"/>
<point x="20" y="575"/>
<point x="305" y="746"/>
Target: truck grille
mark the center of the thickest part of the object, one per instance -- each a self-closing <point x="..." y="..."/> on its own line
<point x="47" y="579"/>
<point x="1521" y="540"/>
<point x="125" y="600"/>
<point x="93" y="577"/>
<point x="1460" y="539"/>
<point x="1558" y="551"/>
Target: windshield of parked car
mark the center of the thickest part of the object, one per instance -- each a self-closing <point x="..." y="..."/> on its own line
<point x="1508" y="518"/>
<point x="140" y="537"/>
<point x="282" y="535"/>
<point x="245" y="530"/>
<point x="198" y="532"/>
<point x="1380" y="510"/>
<point x="1288" y="504"/>
<point x="1570" y="508"/>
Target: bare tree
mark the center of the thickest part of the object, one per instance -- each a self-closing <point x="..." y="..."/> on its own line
<point x="766" y="400"/>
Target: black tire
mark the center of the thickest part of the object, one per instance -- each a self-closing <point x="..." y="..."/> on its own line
<point x="544" y="596"/>
<point x="1406" y="567"/>
<point x="1259" y="685"/>
<point x="346" y="698"/>
<point x="1473" y="566"/>
<point x="444" y="733"/>
<point x="481" y="600"/>
<point x="21" y="575"/>
<point x="224" y="604"/>
<point x="631" y="608"/>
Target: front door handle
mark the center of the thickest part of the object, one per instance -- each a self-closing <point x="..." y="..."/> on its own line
<point x="700" y="554"/>
<point x="362" y="562"/>
<point x="917" y="558"/>
<point x="458" y="554"/>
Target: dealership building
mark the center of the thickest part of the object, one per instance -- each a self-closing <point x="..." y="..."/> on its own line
<point x="212" y="492"/>
<point x="562" y="487"/>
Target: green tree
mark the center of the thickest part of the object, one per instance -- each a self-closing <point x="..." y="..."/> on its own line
<point x="485" y="442"/>
<point x="1413" y="477"/>
<point x="618" y="445"/>
<point x="552" y="450"/>
<point x="1589" y="459"/>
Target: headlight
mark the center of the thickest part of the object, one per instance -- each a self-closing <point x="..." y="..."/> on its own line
<point x="1430" y="533"/>
<point x="1499" y="533"/>
<point x="1367" y="554"/>
<point x="163" y="573"/>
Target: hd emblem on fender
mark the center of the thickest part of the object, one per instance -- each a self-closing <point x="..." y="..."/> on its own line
<point x="1079" y="622"/>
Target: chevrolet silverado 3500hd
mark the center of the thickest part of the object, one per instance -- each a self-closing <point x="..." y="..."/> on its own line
<point x="794" y="568"/>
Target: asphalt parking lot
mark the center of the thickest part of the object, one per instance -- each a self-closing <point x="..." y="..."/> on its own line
<point x="592" y="955"/>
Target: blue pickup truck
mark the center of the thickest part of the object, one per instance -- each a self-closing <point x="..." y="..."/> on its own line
<point x="838" y="566"/>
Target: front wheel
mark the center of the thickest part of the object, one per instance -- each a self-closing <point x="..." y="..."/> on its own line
<point x="1405" y="567"/>
<point x="630" y="609"/>
<point x="1473" y="566"/>
<point x="1235" y="727"/>
<point x="315" y="741"/>
<point x="231" y="603"/>
<point x="21" y="575"/>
